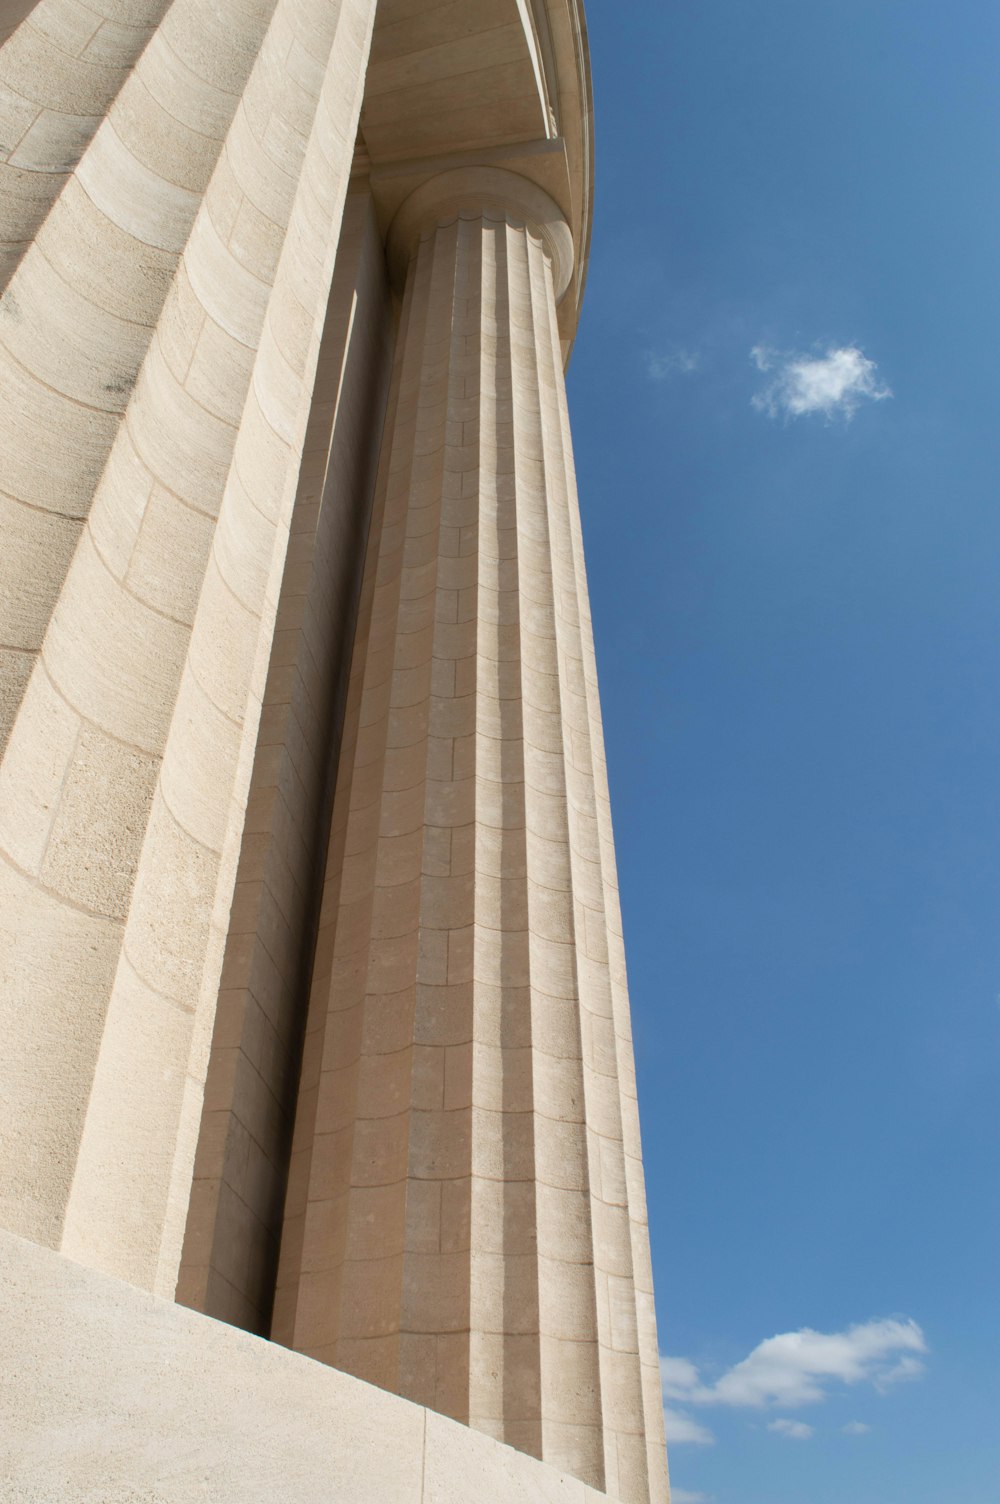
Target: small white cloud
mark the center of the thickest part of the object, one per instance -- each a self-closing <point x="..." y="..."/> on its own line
<point x="674" y="361"/>
<point x="681" y="1428"/>
<point x="798" y="1368"/>
<point x="856" y="1428"/>
<point x="832" y="384"/>
<point x="795" y="1368"/>
<point x="795" y="1430"/>
<point x="685" y="1496"/>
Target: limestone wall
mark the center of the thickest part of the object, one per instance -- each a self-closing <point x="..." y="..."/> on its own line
<point x="108" y="1394"/>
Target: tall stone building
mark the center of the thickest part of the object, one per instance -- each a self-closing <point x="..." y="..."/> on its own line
<point x="315" y="1028"/>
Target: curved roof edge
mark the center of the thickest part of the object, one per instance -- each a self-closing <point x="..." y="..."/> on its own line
<point x="498" y="83"/>
<point x="583" y="219"/>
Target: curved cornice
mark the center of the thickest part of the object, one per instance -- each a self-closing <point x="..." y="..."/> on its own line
<point x="483" y="83"/>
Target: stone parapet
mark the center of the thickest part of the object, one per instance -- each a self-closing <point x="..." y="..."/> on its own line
<point x="109" y="1393"/>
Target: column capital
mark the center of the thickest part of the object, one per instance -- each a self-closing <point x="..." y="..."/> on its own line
<point x="483" y="193"/>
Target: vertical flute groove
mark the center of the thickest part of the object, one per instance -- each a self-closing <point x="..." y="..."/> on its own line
<point x="506" y="1400"/>
<point x="620" y="1366"/>
<point x="570" y="1368"/>
<point x="436" y="1291"/>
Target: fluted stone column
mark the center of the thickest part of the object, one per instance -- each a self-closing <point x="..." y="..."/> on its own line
<point x="465" y="1217"/>
<point x="60" y="72"/>
<point x="158" y="345"/>
<point x="94" y="252"/>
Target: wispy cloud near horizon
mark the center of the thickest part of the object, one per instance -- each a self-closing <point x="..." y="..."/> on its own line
<point x="834" y="384"/>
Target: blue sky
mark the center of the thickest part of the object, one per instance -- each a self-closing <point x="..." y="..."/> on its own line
<point x="796" y="596"/>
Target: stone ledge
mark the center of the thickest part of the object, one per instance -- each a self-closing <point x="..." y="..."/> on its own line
<point x="110" y="1396"/>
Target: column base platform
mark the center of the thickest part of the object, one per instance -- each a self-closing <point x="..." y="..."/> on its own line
<point x="111" y="1396"/>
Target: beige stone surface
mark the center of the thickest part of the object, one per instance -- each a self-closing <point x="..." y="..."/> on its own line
<point x="108" y="1394"/>
<point x="59" y="73"/>
<point x="305" y="825"/>
<point x="123" y="783"/>
<point x="271" y="293"/>
<point x="75" y="328"/>
<point x="234" y="1221"/>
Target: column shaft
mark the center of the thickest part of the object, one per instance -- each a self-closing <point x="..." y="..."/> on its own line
<point x="458" y="1222"/>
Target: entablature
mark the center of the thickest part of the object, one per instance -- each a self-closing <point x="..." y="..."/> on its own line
<point x="482" y="83"/>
